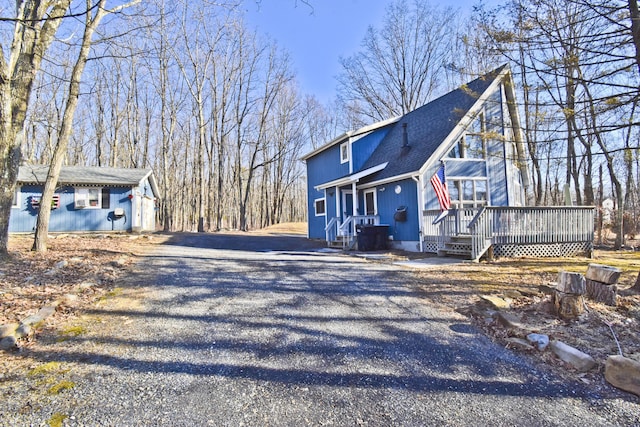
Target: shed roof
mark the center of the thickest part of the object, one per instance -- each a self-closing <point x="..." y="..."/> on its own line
<point x="88" y="175"/>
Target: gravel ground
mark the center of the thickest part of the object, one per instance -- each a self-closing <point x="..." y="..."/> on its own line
<point x="248" y="330"/>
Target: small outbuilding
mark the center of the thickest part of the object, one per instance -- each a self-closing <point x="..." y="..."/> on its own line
<point x="87" y="199"/>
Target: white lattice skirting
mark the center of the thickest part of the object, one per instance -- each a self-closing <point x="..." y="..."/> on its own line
<point x="543" y="250"/>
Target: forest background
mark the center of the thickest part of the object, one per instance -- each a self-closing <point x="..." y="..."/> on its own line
<point x="186" y="88"/>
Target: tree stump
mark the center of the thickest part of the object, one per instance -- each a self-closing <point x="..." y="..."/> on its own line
<point x="601" y="292"/>
<point x="567" y="299"/>
<point x="568" y="306"/>
<point x="601" y="283"/>
<point x="603" y="274"/>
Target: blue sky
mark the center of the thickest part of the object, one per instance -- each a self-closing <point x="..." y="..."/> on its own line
<point x="317" y="37"/>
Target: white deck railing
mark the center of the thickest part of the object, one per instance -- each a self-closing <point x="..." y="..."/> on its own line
<point x="512" y="225"/>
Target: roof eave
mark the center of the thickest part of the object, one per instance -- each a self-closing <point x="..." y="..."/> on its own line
<point x="350" y="179"/>
<point x="350" y="134"/>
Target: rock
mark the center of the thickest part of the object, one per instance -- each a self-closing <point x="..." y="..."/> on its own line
<point x="571" y="283"/>
<point x="62" y="264"/>
<point x="120" y="262"/>
<point x="495" y="301"/>
<point x="70" y="299"/>
<point x="23" y="331"/>
<point x="512" y="293"/>
<point x="8" y="342"/>
<point x="519" y="343"/>
<point x="87" y="285"/>
<point x="76" y="259"/>
<point x="576" y="358"/>
<point x="602" y="292"/>
<point x="623" y="373"/>
<point x="547" y="289"/>
<point x="8" y="329"/>
<point x="568" y="306"/>
<point x="62" y="236"/>
<point x="42" y="314"/>
<point x="541" y="341"/>
<point x="509" y="320"/>
<point x="603" y="274"/>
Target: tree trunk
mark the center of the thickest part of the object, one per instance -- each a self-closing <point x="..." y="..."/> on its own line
<point x="42" y="224"/>
<point x="635" y="28"/>
<point x="34" y="29"/>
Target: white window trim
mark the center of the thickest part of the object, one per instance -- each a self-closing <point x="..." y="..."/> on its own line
<point x="315" y="206"/>
<point x="17" y="197"/>
<point x="375" y="201"/>
<point x="76" y="198"/>
<point x="344" y="149"/>
<point x="476" y="202"/>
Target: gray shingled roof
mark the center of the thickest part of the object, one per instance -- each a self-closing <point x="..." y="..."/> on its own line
<point x="84" y="175"/>
<point x="427" y="128"/>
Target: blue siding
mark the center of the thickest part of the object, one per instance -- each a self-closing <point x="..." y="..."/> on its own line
<point x="66" y="218"/>
<point x="362" y="148"/>
<point x="389" y="202"/>
<point x="323" y="167"/>
<point x="465" y="168"/>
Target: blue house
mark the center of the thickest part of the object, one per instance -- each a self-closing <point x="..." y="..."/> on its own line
<point x="87" y="199"/>
<point x="381" y="175"/>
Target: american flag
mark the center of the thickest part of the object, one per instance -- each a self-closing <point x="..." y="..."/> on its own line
<point x="439" y="183"/>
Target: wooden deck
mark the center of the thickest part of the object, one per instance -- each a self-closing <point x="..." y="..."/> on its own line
<point x="511" y="232"/>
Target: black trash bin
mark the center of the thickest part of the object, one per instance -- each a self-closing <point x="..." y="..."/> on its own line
<point x="366" y="237"/>
<point x="381" y="233"/>
<point x="372" y="237"/>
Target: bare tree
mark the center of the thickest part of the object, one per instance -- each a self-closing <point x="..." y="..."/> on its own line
<point x="400" y="65"/>
<point x="34" y="27"/>
<point x="93" y="15"/>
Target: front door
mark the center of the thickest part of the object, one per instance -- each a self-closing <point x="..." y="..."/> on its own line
<point x="347" y="208"/>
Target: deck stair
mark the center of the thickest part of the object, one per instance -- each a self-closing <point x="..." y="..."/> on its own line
<point x="346" y="243"/>
<point x="459" y="246"/>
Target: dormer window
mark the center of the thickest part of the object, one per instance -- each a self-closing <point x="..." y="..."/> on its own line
<point x="344" y="152"/>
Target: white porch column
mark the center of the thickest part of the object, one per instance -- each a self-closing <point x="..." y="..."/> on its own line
<point x="355" y="198"/>
<point x="419" y="188"/>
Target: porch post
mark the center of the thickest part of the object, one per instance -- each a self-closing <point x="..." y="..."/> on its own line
<point x="355" y="199"/>
<point x="338" y="201"/>
<point x="418" y="181"/>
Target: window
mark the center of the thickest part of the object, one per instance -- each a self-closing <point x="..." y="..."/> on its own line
<point x="344" y="152"/>
<point x="471" y="144"/>
<point x="88" y="198"/>
<point x="370" y="202"/>
<point x="16" y="198"/>
<point x="469" y="193"/>
<point x="320" y="207"/>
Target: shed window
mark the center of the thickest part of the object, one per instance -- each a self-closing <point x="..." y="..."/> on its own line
<point x="344" y="152"/>
<point x="320" y="207"/>
<point x="88" y="198"/>
<point x="106" y="198"/>
<point x="16" y="198"/>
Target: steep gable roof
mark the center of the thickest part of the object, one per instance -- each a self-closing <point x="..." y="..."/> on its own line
<point x="427" y="128"/>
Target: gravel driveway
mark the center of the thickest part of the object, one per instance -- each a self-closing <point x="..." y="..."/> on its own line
<point x="236" y="330"/>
